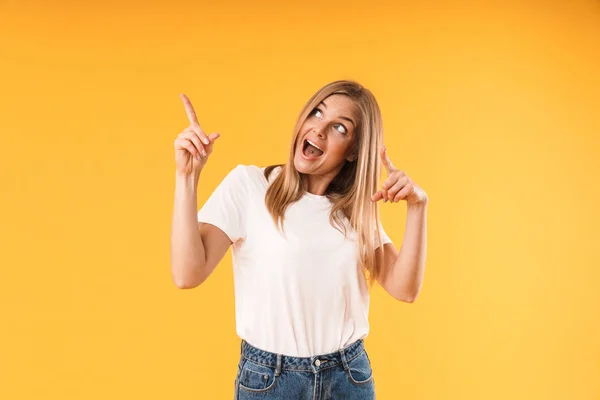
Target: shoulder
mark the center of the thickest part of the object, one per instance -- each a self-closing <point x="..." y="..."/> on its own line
<point x="247" y="172"/>
<point x="248" y="175"/>
<point x="256" y="174"/>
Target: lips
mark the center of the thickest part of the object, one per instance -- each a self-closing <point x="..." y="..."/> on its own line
<point x="311" y="150"/>
<point x="314" y="143"/>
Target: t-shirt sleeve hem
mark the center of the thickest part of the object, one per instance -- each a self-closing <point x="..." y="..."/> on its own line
<point x="225" y="206"/>
<point x="221" y="225"/>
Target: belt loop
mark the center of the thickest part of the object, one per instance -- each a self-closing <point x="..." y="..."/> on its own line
<point x="344" y="361"/>
<point x="242" y="346"/>
<point x="278" y="367"/>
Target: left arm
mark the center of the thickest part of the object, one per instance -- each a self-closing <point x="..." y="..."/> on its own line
<point x="402" y="272"/>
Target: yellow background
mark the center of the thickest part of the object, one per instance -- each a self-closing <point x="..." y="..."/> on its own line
<point x="492" y="107"/>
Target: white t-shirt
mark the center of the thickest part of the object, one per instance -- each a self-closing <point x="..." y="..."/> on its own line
<point x="302" y="295"/>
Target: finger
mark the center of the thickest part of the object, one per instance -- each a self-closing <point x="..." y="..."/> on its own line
<point x="384" y="193"/>
<point x="192" y="136"/>
<point x="191" y="114"/>
<point x="393" y="191"/>
<point x="192" y="149"/>
<point x="212" y="137"/>
<point x="403" y="193"/>
<point x="183" y="143"/>
<point x="389" y="182"/>
<point x="194" y="131"/>
<point x="377" y="196"/>
<point x="189" y="109"/>
<point x="195" y="128"/>
<point x="380" y="195"/>
<point x="387" y="163"/>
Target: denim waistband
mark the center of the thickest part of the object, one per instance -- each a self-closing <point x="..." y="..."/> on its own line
<point x="308" y="364"/>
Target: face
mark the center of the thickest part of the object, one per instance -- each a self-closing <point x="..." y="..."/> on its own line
<point x="326" y="138"/>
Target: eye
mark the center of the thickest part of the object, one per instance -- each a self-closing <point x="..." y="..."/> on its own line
<point x="315" y="111"/>
<point x="342" y="128"/>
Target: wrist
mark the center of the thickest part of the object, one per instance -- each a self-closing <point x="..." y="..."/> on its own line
<point x="187" y="180"/>
<point x="421" y="205"/>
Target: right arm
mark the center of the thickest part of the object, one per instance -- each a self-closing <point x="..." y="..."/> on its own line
<point x="196" y="248"/>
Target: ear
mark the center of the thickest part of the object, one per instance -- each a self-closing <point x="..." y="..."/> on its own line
<point x="353" y="154"/>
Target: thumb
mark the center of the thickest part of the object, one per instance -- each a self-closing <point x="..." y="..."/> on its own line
<point x="211" y="138"/>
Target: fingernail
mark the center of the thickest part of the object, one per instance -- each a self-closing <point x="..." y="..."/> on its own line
<point x="203" y="153"/>
<point x="198" y="157"/>
<point x="205" y="140"/>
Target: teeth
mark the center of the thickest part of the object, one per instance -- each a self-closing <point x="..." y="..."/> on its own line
<point x="314" y="144"/>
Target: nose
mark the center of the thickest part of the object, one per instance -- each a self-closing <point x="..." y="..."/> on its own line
<point x="319" y="132"/>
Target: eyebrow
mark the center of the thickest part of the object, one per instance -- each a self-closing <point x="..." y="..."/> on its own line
<point x="341" y="117"/>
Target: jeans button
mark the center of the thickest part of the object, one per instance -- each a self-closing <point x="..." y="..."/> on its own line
<point x="317" y="363"/>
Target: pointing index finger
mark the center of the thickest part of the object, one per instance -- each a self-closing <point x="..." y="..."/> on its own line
<point x="189" y="110"/>
<point x="386" y="160"/>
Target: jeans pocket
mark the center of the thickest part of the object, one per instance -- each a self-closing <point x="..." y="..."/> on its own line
<point x="256" y="377"/>
<point x="359" y="369"/>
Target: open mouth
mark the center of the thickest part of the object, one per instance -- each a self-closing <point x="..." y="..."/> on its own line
<point x="311" y="150"/>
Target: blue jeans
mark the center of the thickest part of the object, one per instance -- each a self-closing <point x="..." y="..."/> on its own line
<point x="345" y="374"/>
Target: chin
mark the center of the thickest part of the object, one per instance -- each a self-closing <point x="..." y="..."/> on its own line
<point x="302" y="165"/>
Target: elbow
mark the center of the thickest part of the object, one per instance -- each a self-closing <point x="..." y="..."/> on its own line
<point x="184" y="281"/>
<point x="404" y="295"/>
<point x="180" y="282"/>
<point x="409" y="297"/>
<point x="184" y="284"/>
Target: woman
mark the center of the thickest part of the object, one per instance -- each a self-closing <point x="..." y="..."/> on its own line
<point x="304" y="235"/>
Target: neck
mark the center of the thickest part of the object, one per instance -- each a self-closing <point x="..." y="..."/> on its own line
<point x="318" y="184"/>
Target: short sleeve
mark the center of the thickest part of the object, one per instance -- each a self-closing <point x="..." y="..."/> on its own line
<point x="384" y="237"/>
<point x="225" y="206"/>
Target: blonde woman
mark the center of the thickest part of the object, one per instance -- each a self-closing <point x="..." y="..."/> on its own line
<point x="306" y="240"/>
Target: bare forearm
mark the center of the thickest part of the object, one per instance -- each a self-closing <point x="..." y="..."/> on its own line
<point x="409" y="268"/>
<point x="187" y="250"/>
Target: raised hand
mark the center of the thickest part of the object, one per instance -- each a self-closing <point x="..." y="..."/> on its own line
<point x="398" y="186"/>
<point x="192" y="146"/>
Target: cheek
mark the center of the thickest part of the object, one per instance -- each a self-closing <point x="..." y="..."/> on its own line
<point x="339" y="147"/>
<point x="308" y="124"/>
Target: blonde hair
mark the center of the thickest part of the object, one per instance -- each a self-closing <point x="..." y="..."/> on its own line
<point x="351" y="190"/>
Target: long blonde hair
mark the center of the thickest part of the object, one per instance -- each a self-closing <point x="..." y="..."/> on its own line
<point x="351" y="190"/>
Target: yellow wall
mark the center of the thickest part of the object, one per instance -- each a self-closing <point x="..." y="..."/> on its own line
<point x="492" y="107"/>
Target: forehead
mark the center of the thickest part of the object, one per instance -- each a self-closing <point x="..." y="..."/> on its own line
<point x="340" y="103"/>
